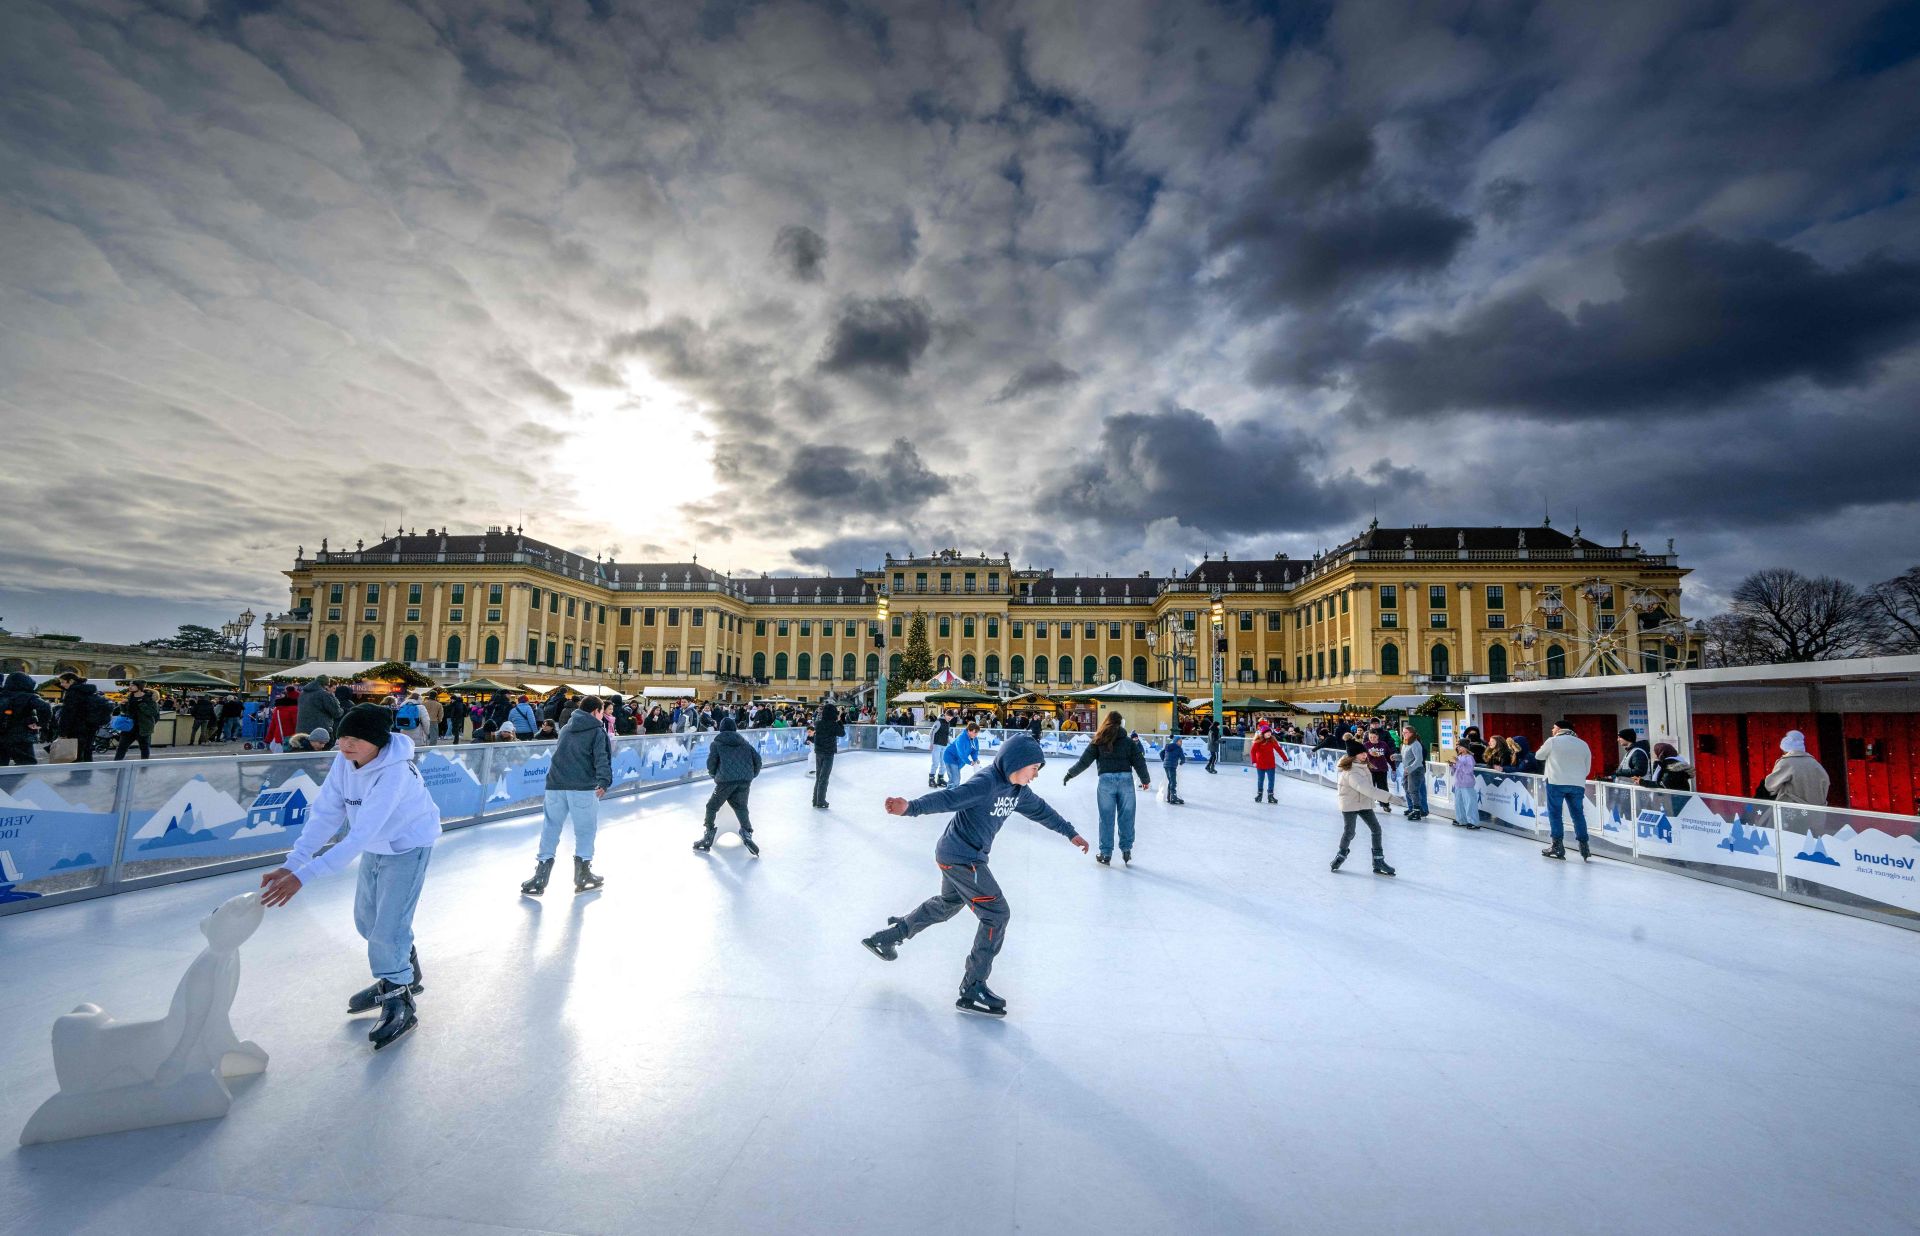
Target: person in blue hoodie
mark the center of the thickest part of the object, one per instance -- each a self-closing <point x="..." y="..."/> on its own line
<point x="963" y="748"/>
<point x="1172" y="756"/>
<point x="979" y="807"/>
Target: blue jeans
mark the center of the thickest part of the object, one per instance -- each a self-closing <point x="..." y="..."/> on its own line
<point x="383" y="906"/>
<point x="1466" y="804"/>
<point x="1572" y="798"/>
<point x="585" y="810"/>
<point x="1263" y="781"/>
<point x="1115" y="797"/>
<point x="1415" y="785"/>
<point x="1173" y="781"/>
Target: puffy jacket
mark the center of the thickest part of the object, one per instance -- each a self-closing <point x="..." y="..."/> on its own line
<point x="731" y="757"/>
<point x="1357" y="792"/>
<point x="524" y="722"/>
<point x="1173" y="754"/>
<point x="145" y="711"/>
<point x="1265" y="750"/>
<point x="21" y="708"/>
<point x="583" y="760"/>
<point x="1118" y="757"/>
<point x="83" y="710"/>
<point x="827" y="729"/>
<point x="319" y="708"/>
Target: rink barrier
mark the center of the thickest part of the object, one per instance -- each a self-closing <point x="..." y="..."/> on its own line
<point x="69" y="832"/>
<point x="1863" y="863"/>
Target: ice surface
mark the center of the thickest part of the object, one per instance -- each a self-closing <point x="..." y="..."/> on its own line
<point x="1224" y="1038"/>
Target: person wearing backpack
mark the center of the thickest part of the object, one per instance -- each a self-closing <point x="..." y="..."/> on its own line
<point x="25" y="720"/>
<point x="143" y="711"/>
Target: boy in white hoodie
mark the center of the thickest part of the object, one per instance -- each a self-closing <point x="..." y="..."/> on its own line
<point x="392" y="822"/>
<point x="1357" y="794"/>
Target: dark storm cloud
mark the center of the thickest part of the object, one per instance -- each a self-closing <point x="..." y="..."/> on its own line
<point x="1040" y="376"/>
<point x="1701" y="320"/>
<point x="1248" y="478"/>
<point x="842" y="479"/>
<point x="1327" y="223"/>
<point x="886" y="334"/>
<point x="801" y="252"/>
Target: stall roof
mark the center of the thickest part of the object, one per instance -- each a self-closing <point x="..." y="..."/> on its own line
<point x="1407" y="703"/>
<point x="667" y="693"/>
<point x="1121" y="689"/>
<point x="1734" y="675"/>
<point x="320" y="669"/>
<point x="1317" y="706"/>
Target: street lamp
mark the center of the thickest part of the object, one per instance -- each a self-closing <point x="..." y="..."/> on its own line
<point x="1219" y="656"/>
<point x="237" y="631"/>
<point x="880" y="640"/>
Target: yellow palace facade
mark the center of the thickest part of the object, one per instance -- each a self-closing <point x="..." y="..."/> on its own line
<point x="1391" y="611"/>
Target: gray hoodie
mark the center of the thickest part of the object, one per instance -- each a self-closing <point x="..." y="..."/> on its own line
<point x="318" y="707"/>
<point x="583" y="760"/>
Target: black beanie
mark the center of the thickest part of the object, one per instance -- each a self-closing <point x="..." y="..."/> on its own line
<point x="368" y="722"/>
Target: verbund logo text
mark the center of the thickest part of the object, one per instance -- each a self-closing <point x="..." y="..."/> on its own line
<point x="1882" y="860"/>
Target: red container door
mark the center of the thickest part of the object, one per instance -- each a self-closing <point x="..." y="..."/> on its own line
<point x="1719" y="754"/>
<point x="1600" y="731"/>
<point x="1507" y="724"/>
<point x="1883" y="761"/>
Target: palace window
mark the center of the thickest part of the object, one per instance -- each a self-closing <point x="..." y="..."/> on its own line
<point x="1437" y="619"/>
<point x="333" y="613"/>
<point x="1019" y="629"/>
<point x="570" y="610"/>
<point x="1273" y="620"/>
<point x="1113" y="632"/>
<point x="759" y="626"/>
<point x="1343" y="601"/>
<point x="413" y="615"/>
<point x="1246" y="620"/>
<point x="373" y="594"/>
<point x="673" y="615"/>
<point x="966" y="627"/>
<point x="626" y="615"/>
<point x="459" y="594"/>
<point x="1496" y="596"/>
<point x="1390" y="660"/>
<point x="1093" y="630"/>
<point x="336" y="593"/>
<point x="456" y="615"/>
<point x="496" y="593"/>
<point x="553" y="602"/>
<point x="780" y="628"/>
<point x="1346" y="660"/>
<point x="1140" y="630"/>
<point x="493" y="650"/>
<point x="413" y="594"/>
<point x="1436" y="596"/>
<point x="493" y="615"/>
<point x="1389" y="596"/>
<point x="370" y="614"/>
<point x="1389" y="618"/>
<point x="699" y="617"/>
<point x="646" y="616"/>
<point x="993" y="626"/>
<point x="646" y="660"/>
<point x="896" y="630"/>
<point x="1039" y="630"/>
<point x="1496" y="622"/>
<point x="806" y="632"/>
<point x="946" y="627"/>
<point x="673" y="661"/>
<point x="852" y="632"/>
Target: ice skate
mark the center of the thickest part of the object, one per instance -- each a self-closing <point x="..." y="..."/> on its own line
<point x="1339" y="858"/>
<point x="1380" y="866"/>
<point x="1105" y="860"/>
<point x="542" y="869"/>
<point x="368" y="999"/>
<point x="705" y="843"/>
<point x="882" y="945"/>
<point x="1126" y="856"/>
<point x="396" y="1019"/>
<point x="584" y="880"/>
<point x="746" y="839"/>
<point x="1586" y="855"/>
<point x="973" y="1001"/>
<point x="992" y="1001"/>
<point x="1554" y="851"/>
<point x="1272" y="799"/>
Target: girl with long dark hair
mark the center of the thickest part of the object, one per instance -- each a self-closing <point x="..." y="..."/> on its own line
<point x="1117" y="754"/>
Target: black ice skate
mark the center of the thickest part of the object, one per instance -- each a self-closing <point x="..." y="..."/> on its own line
<point x="1126" y="856"/>
<point x="972" y="1000"/>
<point x="746" y="839"/>
<point x="1380" y="866"/>
<point x="1272" y="799"/>
<point x="542" y="869"/>
<point x="396" y="1019"/>
<point x="1339" y="858"/>
<point x="1554" y="851"/>
<point x="1105" y="860"/>
<point x="584" y="881"/>
<point x="884" y="944"/>
<point x="368" y="999"/>
<point x="993" y="1002"/>
<point x="1585" y="853"/>
<point x="705" y="843"/>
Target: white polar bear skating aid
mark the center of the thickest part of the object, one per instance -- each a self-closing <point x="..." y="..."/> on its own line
<point x="115" y="1076"/>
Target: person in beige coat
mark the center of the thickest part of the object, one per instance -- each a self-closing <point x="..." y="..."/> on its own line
<point x="1797" y="777"/>
<point x="1357" y="794"/>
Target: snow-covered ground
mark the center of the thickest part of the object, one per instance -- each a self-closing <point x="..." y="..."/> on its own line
<point x="1224" y="1038"/>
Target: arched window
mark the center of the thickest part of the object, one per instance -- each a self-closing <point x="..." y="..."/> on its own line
<point x="1090" y="670"/>
<point x="780" y="667"/>
<point x="410" y="648"/>
<point x="1113" y="669"/>
<point x="1140" y="670"/>
<point x="806" y="666"/>
<point x="1039" y="669"/>
<point x="1438" y="660"/>
<point x="1390" y="661"/>
<point x="366" y="647"/>
<point x="893" y="668"/>
<point x="759" y="665"/>
<point x="453" y="647"/>
<point x="993" y="666"/>
<point x="1497" y="663"/>
<point x="826" y="667"/>
<point x="1066" y="669"/>
<point x="967" y="667"/>
<point x="944" y="661"/>
<point x="1556" y="661"/>
<point x="873" y="664"/>
<point x="493" y="650"/>
<point x="849" y="667"/>
<point x="1019" y="670"/>
<point x="333" y="648"/>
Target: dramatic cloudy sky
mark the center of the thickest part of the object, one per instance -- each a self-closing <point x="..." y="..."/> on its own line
<point x="1104" y="285"/>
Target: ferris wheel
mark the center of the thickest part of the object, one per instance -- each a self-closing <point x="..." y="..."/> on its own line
<point x="1603" y="648"/>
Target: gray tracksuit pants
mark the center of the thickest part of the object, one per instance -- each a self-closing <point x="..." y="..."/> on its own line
<point x="963" y="885"/>
<point x="734" y="793"/>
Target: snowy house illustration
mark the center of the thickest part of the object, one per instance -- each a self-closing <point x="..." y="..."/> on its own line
<point x="281" y="808"/>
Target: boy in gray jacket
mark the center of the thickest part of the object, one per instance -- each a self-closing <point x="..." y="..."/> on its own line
<point x="578" y="778"/>
<point x="733" y="763"/>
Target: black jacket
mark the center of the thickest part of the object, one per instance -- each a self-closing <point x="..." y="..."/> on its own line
<point x="1119" y="757"/>
<point x="942" y="732"/>
<point x="827" y="730"/>
<point x="731" y="757"/>
<point x="83" y="710"/>
<point x="21" y="708"/>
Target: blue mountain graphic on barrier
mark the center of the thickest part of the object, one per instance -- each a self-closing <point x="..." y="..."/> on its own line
<point x="78" y="860"/>
<point x="1747" y="841"/>
<point x="1816" y="852"/>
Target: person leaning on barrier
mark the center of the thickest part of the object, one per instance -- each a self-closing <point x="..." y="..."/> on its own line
<point x="1796" y="777"/>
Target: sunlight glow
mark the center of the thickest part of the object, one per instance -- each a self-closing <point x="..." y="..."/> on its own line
<point x="633" y="455"/>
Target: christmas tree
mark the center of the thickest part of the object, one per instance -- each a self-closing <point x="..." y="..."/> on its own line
<point x="917" y="665"/>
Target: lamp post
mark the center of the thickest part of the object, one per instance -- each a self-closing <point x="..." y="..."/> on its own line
<point x="880" y="684"/>
<point x="1219" y="656"/>
<point x="237" y="630"/>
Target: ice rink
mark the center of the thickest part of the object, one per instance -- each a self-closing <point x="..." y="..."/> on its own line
<point x="1224" y="1038"/>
